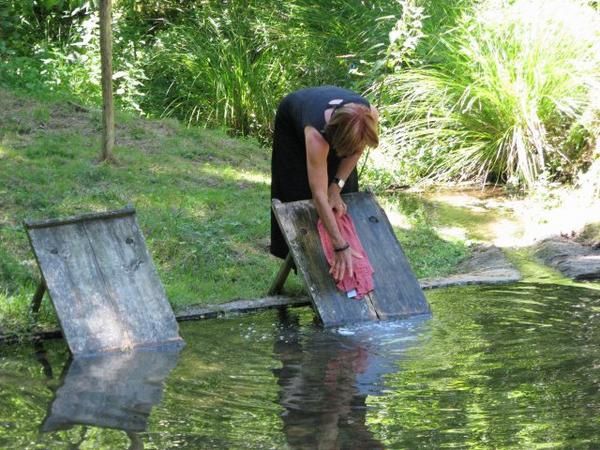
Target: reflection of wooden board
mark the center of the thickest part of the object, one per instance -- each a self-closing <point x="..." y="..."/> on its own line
<point x="397" y="292"/>
<point x="113" y="390"/>
<point x="102" y="282"/>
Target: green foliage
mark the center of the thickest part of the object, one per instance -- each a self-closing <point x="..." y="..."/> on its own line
<point x="207" y="62"/>
<point x="230" y="64"/>
<point x="210" y="74"/>
<point x="56" y="46"/>
<point x="26" y="22"/>
<point x="405" y="36"/>
<point x="505" y="95"/>
<point x="430" y="254"/>
<point x="26" y="30"/>
<point x="467" y="89"/>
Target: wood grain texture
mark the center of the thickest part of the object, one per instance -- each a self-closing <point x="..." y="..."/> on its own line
<point x="127" y="211"/>
<point x="397" y="291"/>
<point x="298" y="221"/>
<point x="282" y="274"/>
<point x="103" y="284"/>
<point x="195" y="312"/>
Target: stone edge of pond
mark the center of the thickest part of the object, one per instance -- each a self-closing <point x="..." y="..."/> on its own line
<point x="487" y="265"/>
<point x="572" y="259"/>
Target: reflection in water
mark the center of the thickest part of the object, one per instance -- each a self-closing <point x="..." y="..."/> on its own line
<point x="511" y="367"/>
<point x="507" y="367"/>
<point x="115" y="390"/>
<point x="326" y="376"/>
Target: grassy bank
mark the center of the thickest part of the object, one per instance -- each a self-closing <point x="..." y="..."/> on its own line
<point x="202" y="202"/>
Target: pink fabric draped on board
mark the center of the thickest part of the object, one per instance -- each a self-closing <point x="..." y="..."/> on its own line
<point x="361" y="281"/>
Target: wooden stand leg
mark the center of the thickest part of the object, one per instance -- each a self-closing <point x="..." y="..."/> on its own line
<point x="36" y="301"/>
<point x="282" y="275"/>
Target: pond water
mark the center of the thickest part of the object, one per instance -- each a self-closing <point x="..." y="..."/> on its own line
<point x="514" y="366"/>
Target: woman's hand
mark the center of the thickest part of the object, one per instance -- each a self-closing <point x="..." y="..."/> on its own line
<point x="335" y="200"/>
<point x="342" y="263"/>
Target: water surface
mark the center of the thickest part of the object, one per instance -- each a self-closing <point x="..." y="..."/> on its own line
<point x="514" y="366"/>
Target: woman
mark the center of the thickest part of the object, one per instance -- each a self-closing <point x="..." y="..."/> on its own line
<point x="320" y="133"/>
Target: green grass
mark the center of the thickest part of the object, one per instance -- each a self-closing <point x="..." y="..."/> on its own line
<point x="202" y="201"/>
<point x="230" y="64"/>
<point x="430" y="254"/>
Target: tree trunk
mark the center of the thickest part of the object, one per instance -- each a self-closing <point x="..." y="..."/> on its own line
<point x="108" y="112"/>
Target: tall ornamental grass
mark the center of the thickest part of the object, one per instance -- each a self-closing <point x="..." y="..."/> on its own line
<point x="208" y="62"/>
<point x="217" y="70"/>
<point x="229" y="64"/>
<point x="503" y="96"/>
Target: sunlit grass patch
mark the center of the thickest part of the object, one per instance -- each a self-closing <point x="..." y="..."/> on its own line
<point x="430" y="252"/>
<point x="197" y="214"/>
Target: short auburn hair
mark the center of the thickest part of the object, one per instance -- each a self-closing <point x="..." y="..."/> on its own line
<point x="352" y="127"/>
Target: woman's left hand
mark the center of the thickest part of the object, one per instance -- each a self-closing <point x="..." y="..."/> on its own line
<point x="343" y="264"/>
<point x="335" y="200"/>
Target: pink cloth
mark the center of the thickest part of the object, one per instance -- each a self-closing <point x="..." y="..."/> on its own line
<point x="362" y="278"/>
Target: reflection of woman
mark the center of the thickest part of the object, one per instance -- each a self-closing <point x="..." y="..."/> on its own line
<point x="322" y="406"/>
<point x="320" y="133"/>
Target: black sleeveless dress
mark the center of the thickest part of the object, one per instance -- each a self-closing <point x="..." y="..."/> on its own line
<point x="289" y="175"/>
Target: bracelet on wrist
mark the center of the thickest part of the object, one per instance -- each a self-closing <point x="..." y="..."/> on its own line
<point x="342" y="248"/>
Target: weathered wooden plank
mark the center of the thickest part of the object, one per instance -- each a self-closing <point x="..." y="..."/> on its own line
<point x="191" y="312"/>
<point x="132" y="281"/>
<point x="501" y="273"/>
<point x="75" y="286"/>
<point x="397" y="291"/>
<point x="194" y="312"/>
<point x="36" y="301"/>
<point x="298" y="223"/>
<point x="116" y="390"/>
<point x="103" y="284"/>
<point x="17" y="338"/>
<point x="128" y="211"/>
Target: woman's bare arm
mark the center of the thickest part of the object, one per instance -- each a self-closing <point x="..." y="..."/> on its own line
<point x="316" y="159"/>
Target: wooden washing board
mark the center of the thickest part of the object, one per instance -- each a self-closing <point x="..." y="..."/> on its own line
<point x="102" y="282"/>
<point x="397" y="291"/>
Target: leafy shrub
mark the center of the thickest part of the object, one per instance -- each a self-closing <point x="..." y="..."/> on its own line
<point x="56" y="46"/>
<point x="208" y="62"/>
<point x="212" y="72"/>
